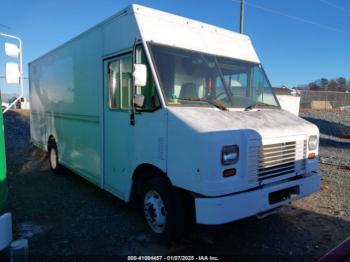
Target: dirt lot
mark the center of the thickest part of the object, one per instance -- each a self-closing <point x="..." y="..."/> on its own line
<point x="67" y="219"/>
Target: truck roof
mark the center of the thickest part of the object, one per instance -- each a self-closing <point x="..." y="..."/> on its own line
<point x="173" y="30"/>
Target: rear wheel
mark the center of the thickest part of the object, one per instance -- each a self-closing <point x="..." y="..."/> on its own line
<point x="53" y="158"/>
<point x="163" y="209"/>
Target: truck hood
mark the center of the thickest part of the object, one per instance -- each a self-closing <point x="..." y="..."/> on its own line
<point x="269" y="123"/>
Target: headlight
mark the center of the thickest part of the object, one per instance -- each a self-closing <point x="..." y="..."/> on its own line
<point x="229" y="155"/>
<point x="313" y="142"/>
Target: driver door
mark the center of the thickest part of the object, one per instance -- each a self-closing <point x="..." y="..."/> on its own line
<point x="118" y="132"/>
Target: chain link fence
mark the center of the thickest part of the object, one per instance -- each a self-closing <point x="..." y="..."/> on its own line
<point x="324" y="100"/>
<point x="330" y="111"/>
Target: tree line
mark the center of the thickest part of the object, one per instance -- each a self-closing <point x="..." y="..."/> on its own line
<point x="339" y="84"/>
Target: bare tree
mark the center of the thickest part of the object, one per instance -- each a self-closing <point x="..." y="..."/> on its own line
<point x="333" y="85"/>
<point x="324" y="83"/>
<point x="342" y="84"/>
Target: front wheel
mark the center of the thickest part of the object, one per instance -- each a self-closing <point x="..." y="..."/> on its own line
<point x="163" y="209"/>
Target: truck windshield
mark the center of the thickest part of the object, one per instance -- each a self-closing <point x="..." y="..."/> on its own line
<point x="190" y="78"/>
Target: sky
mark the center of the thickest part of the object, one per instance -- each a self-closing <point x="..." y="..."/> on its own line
<point x="298" y="41"/>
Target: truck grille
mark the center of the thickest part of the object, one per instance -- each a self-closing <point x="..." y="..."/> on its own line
<point x="281" y="158"/>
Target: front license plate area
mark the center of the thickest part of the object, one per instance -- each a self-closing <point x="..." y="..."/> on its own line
<point x="283" y="194"/>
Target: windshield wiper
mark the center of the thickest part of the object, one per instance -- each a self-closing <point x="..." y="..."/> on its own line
<point x="258" y="104"/>
<point x="217" y="104"/>
<point x="213" y="102"/>
<point x="227" y="89"/>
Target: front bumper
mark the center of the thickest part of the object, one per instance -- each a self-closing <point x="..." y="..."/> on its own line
<point x="220" y="210"/>
<point x="5" y="230"/>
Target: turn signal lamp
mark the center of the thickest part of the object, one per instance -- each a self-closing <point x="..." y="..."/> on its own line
<point x="229" y="172"/>
<point x="311" y="156"/>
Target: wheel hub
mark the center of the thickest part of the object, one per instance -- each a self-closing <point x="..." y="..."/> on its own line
<point x="155" y="212"/>
<point x="53" y="158"/>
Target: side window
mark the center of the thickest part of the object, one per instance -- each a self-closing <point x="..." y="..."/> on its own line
<point x="120" y="83"/>
<point x="149" y="91"/>
<point x="261" y="89"/>
<point x="114" y="84"/>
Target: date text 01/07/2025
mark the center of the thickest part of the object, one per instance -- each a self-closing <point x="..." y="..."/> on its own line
<point x="173" y="258"/>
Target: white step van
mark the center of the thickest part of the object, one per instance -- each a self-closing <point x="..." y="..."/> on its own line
<point x="176" y="112"/>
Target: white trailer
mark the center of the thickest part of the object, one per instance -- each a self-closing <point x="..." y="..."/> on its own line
<point x="176" y="112"/>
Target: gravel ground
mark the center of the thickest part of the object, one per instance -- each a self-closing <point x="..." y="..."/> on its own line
<point x="66" y="218"/>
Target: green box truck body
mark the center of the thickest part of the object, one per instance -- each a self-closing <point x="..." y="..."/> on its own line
<point x="5" y="218"/>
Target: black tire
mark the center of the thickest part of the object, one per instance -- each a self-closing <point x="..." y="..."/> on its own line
<point x="55" y="165"/>
<point x="174" y="224"/>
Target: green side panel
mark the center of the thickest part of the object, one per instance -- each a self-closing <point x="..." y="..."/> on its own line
<point x="3" y="183"/>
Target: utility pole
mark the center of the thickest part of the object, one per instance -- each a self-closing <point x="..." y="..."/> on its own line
<point x="242" y="17"/>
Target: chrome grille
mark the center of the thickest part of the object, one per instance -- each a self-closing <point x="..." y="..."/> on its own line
<point x="281" y="158"/>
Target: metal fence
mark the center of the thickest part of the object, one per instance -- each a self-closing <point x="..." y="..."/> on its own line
<point x="330" y="111"/>
<point x="324" y="100"/>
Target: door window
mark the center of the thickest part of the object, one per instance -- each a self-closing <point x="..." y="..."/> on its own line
<point x="114" y="84"/>
<point x="120" y="83"/>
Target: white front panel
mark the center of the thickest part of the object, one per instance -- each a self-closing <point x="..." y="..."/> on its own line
<point x="197" y="135"/>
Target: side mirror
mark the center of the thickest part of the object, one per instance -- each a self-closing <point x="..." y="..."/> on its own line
<point x="139" y="101"/>
<point x="12" y="73"/>
<point x="140" y="74"/>
<point x="12" y="50"/>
